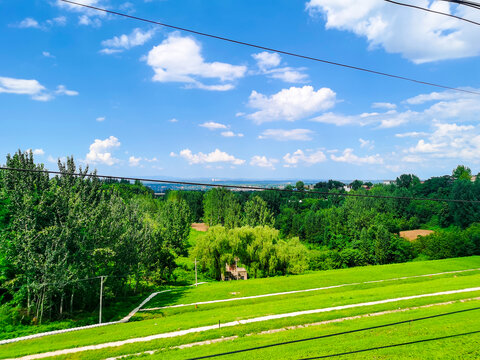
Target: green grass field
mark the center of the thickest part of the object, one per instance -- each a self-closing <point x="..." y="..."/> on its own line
<point x="173" y="319"/>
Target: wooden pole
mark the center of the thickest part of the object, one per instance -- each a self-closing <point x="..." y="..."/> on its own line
<point x="101" y="298"/>
<point x="196" y="284"/>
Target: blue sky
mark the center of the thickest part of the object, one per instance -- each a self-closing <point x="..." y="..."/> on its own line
<point x="129" y="98"/>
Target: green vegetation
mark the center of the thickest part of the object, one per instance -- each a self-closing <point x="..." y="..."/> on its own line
<point x="149" y="323"/>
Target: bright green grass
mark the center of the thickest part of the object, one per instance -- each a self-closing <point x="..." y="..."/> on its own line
<point x="226" y="290"/>
<point x="455" y="348"/>
<point x="448" y="325"/>
<point x="188" y="317"/>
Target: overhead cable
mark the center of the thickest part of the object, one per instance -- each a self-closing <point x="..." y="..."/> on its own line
<point x="338" y="334"/>
<point x="271" y="49"/>
<point x="243" y="187"/>
<point x="432" y="11"/>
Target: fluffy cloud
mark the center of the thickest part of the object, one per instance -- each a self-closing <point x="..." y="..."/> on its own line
<point x="263" y="161"/>
<point x="134" y="161"/>
<point x="290" y="104"/>
<point x="448" y="141"/>
<point x="47" y="54"/>
<point x="101" y="151"/>
<point x="101" y="118"/>
<point x="216" y="156"/>
<point x="124" y="42"/>
<point x="179" y="59"/>
<point x="286" y="135"/>
<point x="384" y="105"/>
<point x="389" y="119"/>
<point x="230" y="134"/>
<point x="349" y="157"/>
<point x="411" y="134"/>
<point x="34" y="24"/>
<point x="418" y="36"/>
<point x="298" y="157"/>
<point x="62" y="90"/>
<point x="268" y="64"/>
<point x="32" y="88"/>
<point x="29" y="23"/>
<point x="38" y="152"/>
<point x="369" y="144"/>
<point x="211" y="125"/>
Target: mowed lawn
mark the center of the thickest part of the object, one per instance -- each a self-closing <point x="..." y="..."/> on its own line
<point x="149" y="323"/>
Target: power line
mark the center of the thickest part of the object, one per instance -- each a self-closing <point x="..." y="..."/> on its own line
<point x="432" y="11"/>
<point x="335" y="334"/>
<point x="271" y="49"/>
<point x="251" y="188"/>
<point x="465" y="3"/>
<point x="393" y="345"/>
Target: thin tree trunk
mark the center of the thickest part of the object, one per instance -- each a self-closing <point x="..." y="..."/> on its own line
<point x="61" y="304"/>
<point x="28" y="300"/>
<point x="71" y="302"/>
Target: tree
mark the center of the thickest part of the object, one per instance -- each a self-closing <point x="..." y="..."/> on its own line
<point x="357" y="184"/>
<point x="407" y="181"/>
<point x="461" y="172"/>
<point x="300" y="186"/>
<point x="257" y="213"/>
<point x="220" y="207"/>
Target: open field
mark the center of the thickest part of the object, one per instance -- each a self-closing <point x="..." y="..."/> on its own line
<point x="362" y="285"/>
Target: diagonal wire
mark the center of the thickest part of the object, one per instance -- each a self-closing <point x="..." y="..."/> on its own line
<point x="399" y="77"/>
<point x="432" y="11"/>
<point x="244" y="187"/>
<point x="337" y="334"/>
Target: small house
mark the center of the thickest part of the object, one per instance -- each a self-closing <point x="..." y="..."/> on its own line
<point x="233" y="272"/>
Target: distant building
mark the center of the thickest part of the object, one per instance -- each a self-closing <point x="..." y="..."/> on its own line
<point x="233" y="272"/>
<point x="366" y="187"/>
<point x="474" y="178"/>
<point x="347" y="188"/>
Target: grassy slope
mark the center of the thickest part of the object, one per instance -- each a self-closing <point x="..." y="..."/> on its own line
<point x="173" y="319"/>
<point x="249" y="336"/>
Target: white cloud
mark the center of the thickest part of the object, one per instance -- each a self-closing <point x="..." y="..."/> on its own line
<point x="263" y="161"/>
<point x="230" y="134"/>
<point x="179" y="59"/>
<point x="24" y="87"/>
<point x="266" y="60"/>
<point x="411" y="134"/>
<point x="389" y="119"/>
<point x="268" y="64"/>
<point x="62" y="90"/>
<point x="349" y="157"/>
<point x="173" y="120"/>
<point x="298" y="157"/>
<point x="384" y="105"/>
<point x="110" y="51"/>
<point x="89" y="21"/>
<point x="290" y="104"/>
<point x="416" y="35"/>
<point x="38" y="152"/>
<point x="101" y="118"/>
<point x="124" y="42"/>
<point x="29" y="23"/>
<point x="133" y="161"/>
<point x="101" y="151"/>
<point x="369" y="144"/>
<point x="286" y="135"/>
<point x="47" y="54"/>
<point x="216" y="156"/>
<point x="211" y="125"/>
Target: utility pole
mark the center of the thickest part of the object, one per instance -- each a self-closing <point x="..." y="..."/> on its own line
<point x="196" y="272"/>
<point x="101" y="298"/>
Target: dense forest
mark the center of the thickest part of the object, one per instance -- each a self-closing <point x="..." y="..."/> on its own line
<point x="59" y="234"/>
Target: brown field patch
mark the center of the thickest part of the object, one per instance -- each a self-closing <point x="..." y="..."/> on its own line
<point x="200" y="226"/>
<point x="412" y="235"/>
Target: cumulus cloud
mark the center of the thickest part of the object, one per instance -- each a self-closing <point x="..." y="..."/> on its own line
<point x="211" y="125"/>
<point x="349" y="157"/>
<point x="389" y="119"/>
<point x="179" y="59"/>
<point x="418" y="36"/>
<point x="290" y="104"/>
<point x="101" y="151"/>
<point x="299" y="157"/>
<point x="62" y="90"/>
<point x="268" y="63"/>
<point x="263" y="161"/>
<point x="32" y="88"/>
<point x="101" y="118"/>
<point x="47" y="54"/>
<point x="126" y="41"/>
<point x="173" y="120"/>
<point x="29" y="23"/>
<point x="38" y="152"/>
<point x="369" y="144"/>
<point x="230" y="134"/>
<point x="216" y="156"/>
<point x="286" y="135"/>
<point x="134" y="161"/>
<point x="384" y="105"/>
<point x="411" y="134"/>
